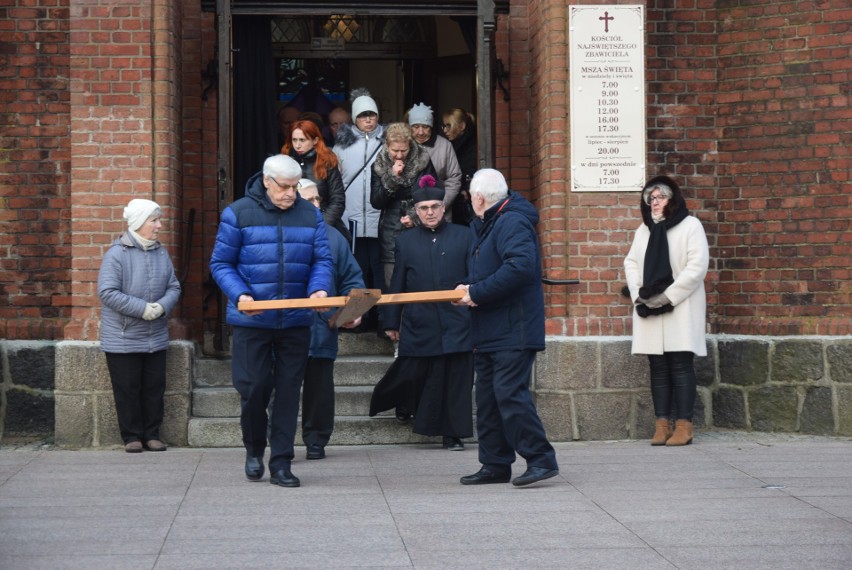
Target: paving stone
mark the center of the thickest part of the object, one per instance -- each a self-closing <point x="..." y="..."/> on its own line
<point x="741" y="499"/>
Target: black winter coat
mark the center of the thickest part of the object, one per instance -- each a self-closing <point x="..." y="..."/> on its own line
<point x="430" y="260"/>
<point x="392" y="194"/>
<point x="505" y="278"/>
<point x="332" y="196"/>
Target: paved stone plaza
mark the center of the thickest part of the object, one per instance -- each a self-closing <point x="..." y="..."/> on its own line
<point x="732" y="500"/>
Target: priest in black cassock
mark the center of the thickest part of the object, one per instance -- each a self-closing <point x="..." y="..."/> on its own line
<point x="433" y="373"/>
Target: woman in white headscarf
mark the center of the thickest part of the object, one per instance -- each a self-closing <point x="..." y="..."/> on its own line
<point x="138" y="288"/>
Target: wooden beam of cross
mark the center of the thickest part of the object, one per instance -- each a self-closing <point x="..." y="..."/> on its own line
<point x="352" y="306"/>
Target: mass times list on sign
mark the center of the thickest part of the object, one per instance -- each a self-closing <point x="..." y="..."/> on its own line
<point x="607" y="81"/>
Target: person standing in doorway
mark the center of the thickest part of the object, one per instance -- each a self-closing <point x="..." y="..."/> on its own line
<point x="287" y="115"/>
<point x="337" y="118"/>
<point x="318" y="388"/>
<point x="356" y="148"/>
<point x="506" y="298"/>
<point x="396" y="171"/>
<point x="271" y="244"/>
<point x="460" y="129"/>
<point x="665" y="270"/>
<point x="319" y="164"/>
<point x="441" y="153"/>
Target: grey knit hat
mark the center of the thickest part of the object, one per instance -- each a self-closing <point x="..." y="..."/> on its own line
<point x="420" y="114"/>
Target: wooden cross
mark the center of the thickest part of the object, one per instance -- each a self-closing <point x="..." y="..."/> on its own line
<point x="606" y="18"/>
<point x="358" y="302"/>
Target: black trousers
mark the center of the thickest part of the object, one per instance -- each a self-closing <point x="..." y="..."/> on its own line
<point x="506" y="419"/>
<point x="264" y="360"/>
<point x="368" y="254"/>
<point x="318" y="401"/>
<point x="138" y="386"/>
<point x="673" y="381"/>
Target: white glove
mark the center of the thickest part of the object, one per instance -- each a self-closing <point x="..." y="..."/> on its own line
<point x="657" y="301"/>
<point x="152" y="311"/>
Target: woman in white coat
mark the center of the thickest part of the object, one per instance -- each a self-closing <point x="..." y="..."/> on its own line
<point x="665" y="272"/>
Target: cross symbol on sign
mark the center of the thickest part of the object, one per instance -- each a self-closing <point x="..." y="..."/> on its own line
<point x="606" y="18"/>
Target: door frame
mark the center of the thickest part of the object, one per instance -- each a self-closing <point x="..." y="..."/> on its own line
<point x="486" y="17"/>
<point x="484" y="10"/>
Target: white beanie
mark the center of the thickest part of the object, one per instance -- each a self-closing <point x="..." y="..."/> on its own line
<point x="138" y="211"/>
<point x="420" y="114"/>
<point x="363" y="104"/>
<point x="306" y="182"/>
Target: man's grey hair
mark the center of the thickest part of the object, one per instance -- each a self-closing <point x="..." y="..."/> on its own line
<point x="281" y="166"/>
<point x="490" y="184"/>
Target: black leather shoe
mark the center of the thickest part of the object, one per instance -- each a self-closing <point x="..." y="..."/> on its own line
<point x="315" y="451"/>
<point x="533" y="475"/>
<point x="453" y="444"/>
<point x="402" y="415"/>
<point x="284" y="478"/>
<point x="254" y="468"/>
<point x="485" y="477"/>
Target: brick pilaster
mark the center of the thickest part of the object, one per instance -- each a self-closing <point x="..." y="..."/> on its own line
<point x="124" y="110"/>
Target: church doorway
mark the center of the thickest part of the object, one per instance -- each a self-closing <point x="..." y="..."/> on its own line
<point x="272" y="53"/>
<point x="313" y="63"/>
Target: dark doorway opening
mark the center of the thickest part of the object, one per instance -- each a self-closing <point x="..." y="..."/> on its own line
<point x="313" y="63"/>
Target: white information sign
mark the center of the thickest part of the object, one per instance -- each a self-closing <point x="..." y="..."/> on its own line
<point x="607" y="75"/>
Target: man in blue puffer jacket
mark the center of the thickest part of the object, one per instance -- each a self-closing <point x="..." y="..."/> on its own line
<point x="507" y="324"/>
<point x="271" y="244"/>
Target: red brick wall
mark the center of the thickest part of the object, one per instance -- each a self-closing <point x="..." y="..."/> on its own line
<point x="34" y="169"/>
<point x="125" y="125"/>
<point x="748" y="108"/>
<point x="784" y="193"/>
<point x="584" y="235"/>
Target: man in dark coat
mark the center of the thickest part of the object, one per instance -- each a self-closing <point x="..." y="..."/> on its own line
<point x="433" y="376"/>
<point x="318" y="388"/>
<point x="505" y="293"/>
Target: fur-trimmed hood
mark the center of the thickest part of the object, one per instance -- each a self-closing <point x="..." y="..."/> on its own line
<point x="349" y="134"/>
<point x="675" y="207"/>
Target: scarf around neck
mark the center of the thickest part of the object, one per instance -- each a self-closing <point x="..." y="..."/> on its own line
<point x="145" y="244"/>
<point x="657" y="274"/>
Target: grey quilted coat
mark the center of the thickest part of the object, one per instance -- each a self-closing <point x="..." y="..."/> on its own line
<point x="129" y="279"/>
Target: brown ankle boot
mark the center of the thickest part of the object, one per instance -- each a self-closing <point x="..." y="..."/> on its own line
<point x="682" y="434"/>
<point x="663" y="431"/>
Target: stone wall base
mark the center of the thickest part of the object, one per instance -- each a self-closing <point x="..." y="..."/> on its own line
<point x="586" y="388"/>
<point x="85" y="408"/>
<point x="592" y="388"/>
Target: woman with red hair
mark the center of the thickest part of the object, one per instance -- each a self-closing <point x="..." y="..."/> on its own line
<point x="319" y="164"/>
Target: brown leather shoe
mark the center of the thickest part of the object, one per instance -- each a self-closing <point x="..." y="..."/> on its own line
<point x="682" y="434"/>
<point x="155" y="445"/>
<point x="133" y="447"/>
<point x="662" y="432"/>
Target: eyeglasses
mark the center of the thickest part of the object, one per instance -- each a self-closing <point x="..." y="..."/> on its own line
<point x="432" y="208"/>
<point x="295" y="186"/>
<point x="653" y="199"/>
<point x="446" y="126"/>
